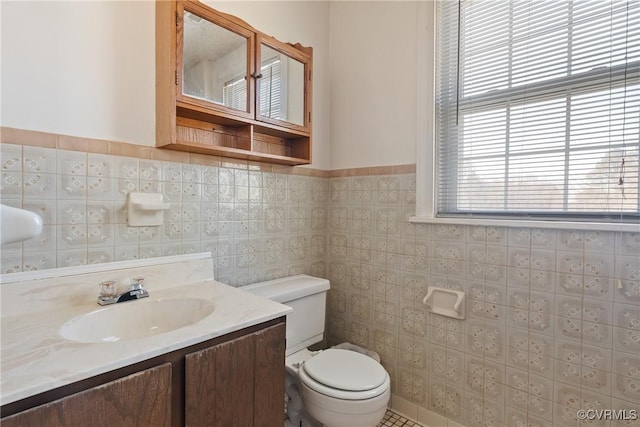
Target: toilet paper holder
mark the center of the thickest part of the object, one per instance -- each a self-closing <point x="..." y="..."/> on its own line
<point x="446" y="302"/>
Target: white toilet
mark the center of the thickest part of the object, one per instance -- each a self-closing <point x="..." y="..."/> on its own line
<point x="339" y="388"/>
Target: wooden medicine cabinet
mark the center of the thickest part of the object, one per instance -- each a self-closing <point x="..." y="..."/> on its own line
<point x="225" y="88"/>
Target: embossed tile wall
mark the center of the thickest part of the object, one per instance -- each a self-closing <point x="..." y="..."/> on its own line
<point x="259" y="225"/>
<point x="553" y="317"/>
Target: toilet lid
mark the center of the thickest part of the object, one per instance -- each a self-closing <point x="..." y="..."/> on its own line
<point x="345" y="370"/>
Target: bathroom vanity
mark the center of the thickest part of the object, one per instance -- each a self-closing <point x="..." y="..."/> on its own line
<point x="224" y="368"/>
<point x="237" y="378"/>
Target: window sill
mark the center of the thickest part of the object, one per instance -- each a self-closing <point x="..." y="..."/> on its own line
<point x="567" y="225"/>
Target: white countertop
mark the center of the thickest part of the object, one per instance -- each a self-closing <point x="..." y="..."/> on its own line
<point x="35" y="358"/>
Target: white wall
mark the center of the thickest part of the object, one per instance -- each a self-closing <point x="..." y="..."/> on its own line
<point x="79" y="68"/>
<point x="373" y="83"/>
<point x="87" y="68"/>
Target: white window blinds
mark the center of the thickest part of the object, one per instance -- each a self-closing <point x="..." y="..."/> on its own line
<point x="270" y="100"/>
<point x="538" y="108"/>
<point x="235" y="93"/>
<point x="269" y="91"/>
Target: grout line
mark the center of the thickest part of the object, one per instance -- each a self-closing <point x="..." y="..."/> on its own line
<point x="392" y="419"/>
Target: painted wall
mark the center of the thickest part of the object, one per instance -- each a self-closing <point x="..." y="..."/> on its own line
<point x="80" y="68"/>
<point x="87" y="69"/>
<point x="373" y="83"/>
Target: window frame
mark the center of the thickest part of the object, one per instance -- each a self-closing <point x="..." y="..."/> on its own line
<point x="426" y="156"/>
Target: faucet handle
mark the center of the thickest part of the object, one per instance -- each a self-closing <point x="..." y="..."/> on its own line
<point x="108" y="291"/>
<point x="108" y="288"/>
<point x="137" y="280"/>
<point x="137" y="287"/>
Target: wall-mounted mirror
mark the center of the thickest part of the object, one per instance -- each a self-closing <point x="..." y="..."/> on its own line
<point x="214" y="65"/>
<point x="281" y="86"/>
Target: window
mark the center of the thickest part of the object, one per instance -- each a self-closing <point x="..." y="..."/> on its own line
<point x="538" y="109"/>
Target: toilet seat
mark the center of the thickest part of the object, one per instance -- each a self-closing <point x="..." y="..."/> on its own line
<point x="344" y="374"/>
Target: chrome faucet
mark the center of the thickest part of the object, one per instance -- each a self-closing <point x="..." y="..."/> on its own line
<point x="109" y="295"/>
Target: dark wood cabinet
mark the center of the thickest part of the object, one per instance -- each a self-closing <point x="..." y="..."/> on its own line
<point x="233" y="380"/>
<point x="143" y="398"/>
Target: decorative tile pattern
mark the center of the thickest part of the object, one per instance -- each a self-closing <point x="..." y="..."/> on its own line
<point x="553" y="316"/>
<point x="546" y="309"/>
<point x="81" y="198"/>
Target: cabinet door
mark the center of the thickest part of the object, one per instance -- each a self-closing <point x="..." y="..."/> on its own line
<point x="237" y="383"/>
<point x="269" y="377"/>
<point x="215" y="60"/>
<point x="283" y="96"/>
<point x="140" y="399"/>
<point x="219" y="384"/>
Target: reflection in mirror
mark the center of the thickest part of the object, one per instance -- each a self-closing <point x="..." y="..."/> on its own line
<point x="214" y="63"/>
<point x="281" y="88"/>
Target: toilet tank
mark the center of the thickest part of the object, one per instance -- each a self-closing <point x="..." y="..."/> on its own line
<point x="307" y="296"/>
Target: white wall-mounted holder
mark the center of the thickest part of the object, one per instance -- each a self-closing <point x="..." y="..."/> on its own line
<point x="446" y="302"/>
<point x="145" y="209"/>
<point x="17" y="225"/>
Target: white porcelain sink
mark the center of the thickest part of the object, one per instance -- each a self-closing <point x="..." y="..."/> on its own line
<point x="136" y="319"/>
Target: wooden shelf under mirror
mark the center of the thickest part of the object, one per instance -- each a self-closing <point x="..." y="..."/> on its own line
<point x="226" y="89"/>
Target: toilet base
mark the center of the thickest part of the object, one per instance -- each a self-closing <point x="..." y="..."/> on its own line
<point x="340" y="413"/>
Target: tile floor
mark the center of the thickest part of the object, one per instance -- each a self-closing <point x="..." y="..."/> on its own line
<point x="391" y="419"/>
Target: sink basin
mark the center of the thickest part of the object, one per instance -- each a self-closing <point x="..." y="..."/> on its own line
<point x="136" y="319"/>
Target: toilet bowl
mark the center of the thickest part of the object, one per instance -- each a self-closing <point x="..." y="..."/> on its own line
<point x="342" y="388"/>
<point x="337" y="387"/>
